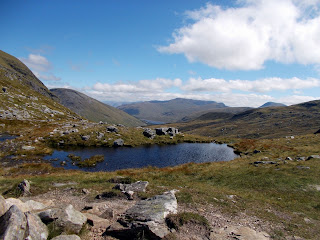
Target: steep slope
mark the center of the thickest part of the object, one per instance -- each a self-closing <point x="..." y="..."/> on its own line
<point x="168" y="111"/>
<point x="93" y="109"/>
<point x="262" y="122"/>
<point x="25" y="97"/>
<point x="272" y="104"/>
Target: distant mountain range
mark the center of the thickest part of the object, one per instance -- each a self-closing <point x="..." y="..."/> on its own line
<point x="268" y="122"/>
<point x="169" y="111"/>
<point x="92" y="109"/>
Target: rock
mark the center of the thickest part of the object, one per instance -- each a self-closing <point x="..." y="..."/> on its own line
<point x="97" y="222"/>
<point x="13" y="224"/>
<point x="85" y="138"/>
<point x="289" y="158"/>
<point x="28" y="206"/>
<point x="172" y="131"/>
<point x="112" y="129"/>
<point x="100" y="135"/>
<point x="303" y="167"/>
<point x="28" y="148"/>
<point x="313" y="156"/>
<point x="240" y="233"/>
<point x="118" y="143"/>
<point x="100" y="209"/>
<point x="264" y="162"/>
<point x="149" y="133"/>
<point x="67" y="219"/>
<point x="3" y="206"/>
<point x="139" y="186"/>
<point x="256" y="151"/>
<point x="37" y="230"/>
<point x="301" y="158"/>
<point x="161" y="131"/>
<point x="85" y="191"/>
<point x="24" y="187"/>
<point x="317" y="132"/>
<point x="146" y="217"/>
<point x="67" y="237"/>
<point x="130" y="189"/>
<point x="4" y="89"/>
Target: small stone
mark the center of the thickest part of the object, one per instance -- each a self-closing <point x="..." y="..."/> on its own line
<point x="85" y="191"/>
<point x="118" y="143"/>
<point x="24" y="187"/>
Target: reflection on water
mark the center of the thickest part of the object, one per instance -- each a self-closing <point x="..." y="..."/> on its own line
<point x="154" y="155"/>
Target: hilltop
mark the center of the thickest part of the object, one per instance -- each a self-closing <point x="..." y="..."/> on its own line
<point x="24" y="96"/>
<point x="272" y="104"/>
<point x="93" y="109"/>
<point x="169" y="111"/>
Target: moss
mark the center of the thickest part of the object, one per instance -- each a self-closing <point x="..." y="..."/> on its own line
<point x="175" y="221"/>
<point x="91" y="162"/>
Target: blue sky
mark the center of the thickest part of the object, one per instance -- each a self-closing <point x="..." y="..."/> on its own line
<point x="245" y="53"/>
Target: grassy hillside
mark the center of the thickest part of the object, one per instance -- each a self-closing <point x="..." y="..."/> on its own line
<point x="93" y="109"/>
<point x="24" y="97"/>
<point x="169" y="111"/>
<point x="260" y="123"/>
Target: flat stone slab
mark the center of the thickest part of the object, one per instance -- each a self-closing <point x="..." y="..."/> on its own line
<point x="145" y="217"/>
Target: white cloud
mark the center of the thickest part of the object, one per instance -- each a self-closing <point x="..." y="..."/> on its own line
<point x="244" y="38"/>
<point x="295" y="99"/>
<point x="40" y="66"/>
<point x="263" y="85"/>
<point x="156" y="85"/>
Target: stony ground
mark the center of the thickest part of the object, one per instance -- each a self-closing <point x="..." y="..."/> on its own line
<point x="222" y="226"/>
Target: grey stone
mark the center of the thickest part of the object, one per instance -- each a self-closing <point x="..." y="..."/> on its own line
<point x="139" y="186"/>
<point x="161" y="131"/>
<point x="146" y="217"/>
<point x="28" y="148"/>
<point x="313" y="157"/>
<point x="3" y="206"/>
<point x="289" y="158"/>
<point x="264" y="162"/>
<point x="27" y="206"/>
<point x="112" y="129"/>
<point x="67" y="237"/>
<point x="24" y="187"/>
<point x="118" y="142"/>
<point x="37" y="230"/>
<point x="100" y="209"/>
<point x="13" y="224"/>
<point x="100" y="135"/>
<point x="85" y="138"/>
<point x="149" y="133"/>
<point x="303" y="167"/>
<point x="97" y="222"/>
<point x="67" y="219"/>
<point x="301" y="158"/>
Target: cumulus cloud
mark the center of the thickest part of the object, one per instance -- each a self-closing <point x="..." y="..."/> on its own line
<point x="244" y="38"/>
<point x="263" y="85"/>
<point x="156" y="85"/>
<point x="40" y="66"/>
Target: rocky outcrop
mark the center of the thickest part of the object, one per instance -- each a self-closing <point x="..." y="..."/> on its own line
<point x="130" y="189"/>
<point x="24" y="187"/>
<point x="67" y="219"/>
<point x="149" y="133"/>
<point x="118" y="143"/>
<point x="164" y="131"/>
<point x="37" y="230"/>
<point x="112" y="129"/>
<point x="3" y="206"/>
<point x="145" y="218"/>
<point x="13" y="224"/>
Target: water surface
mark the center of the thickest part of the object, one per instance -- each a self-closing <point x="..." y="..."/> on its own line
<point x="154" y="155"/>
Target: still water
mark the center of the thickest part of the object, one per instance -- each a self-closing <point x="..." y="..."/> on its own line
<point x="154" y="155"/>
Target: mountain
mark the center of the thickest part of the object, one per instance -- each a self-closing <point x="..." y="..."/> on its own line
<point x="24" y="97"/>
<point x="92" y="109"/>
<point x="272" y="104"/>
<point x="267" y="122"/>
<point x="168" y="111"/>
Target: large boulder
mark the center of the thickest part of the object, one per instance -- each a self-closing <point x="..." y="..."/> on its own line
<point x="145" y="218"/>
<point x="149" y="133"/>
<point x="3" y="206"/>
<point x="112" y="129"/>
<point x="24" y="187"/>
<point x="37" y="230"/>
<point x="13" y="224"/>
<point x="27" y="206"/>
<point x="67" y="237"/>
<point x="161" y="131"/>
<point x="118" y="143"/>
<point x="67" y="219"/>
